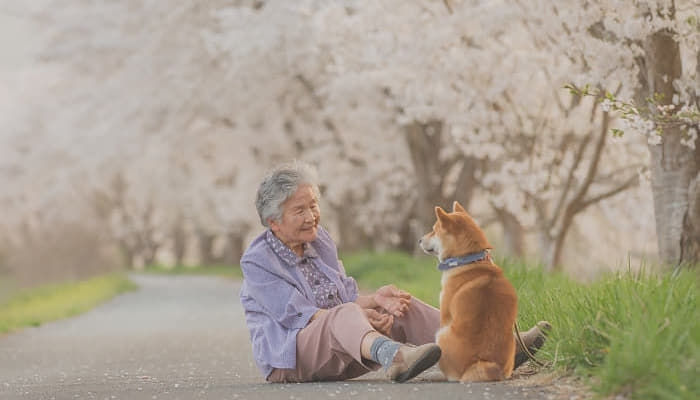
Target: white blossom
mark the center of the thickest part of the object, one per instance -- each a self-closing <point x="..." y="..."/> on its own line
<point x="190" y="104"/>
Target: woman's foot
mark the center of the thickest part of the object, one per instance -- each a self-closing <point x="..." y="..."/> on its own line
<point x="534" y="339"/>
<point x="411" y="361"/>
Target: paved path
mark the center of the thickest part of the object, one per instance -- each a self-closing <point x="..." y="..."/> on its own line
<point x="180" y="338"/>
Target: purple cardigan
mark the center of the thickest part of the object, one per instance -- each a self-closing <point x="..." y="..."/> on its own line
<point x="277" y="299"/>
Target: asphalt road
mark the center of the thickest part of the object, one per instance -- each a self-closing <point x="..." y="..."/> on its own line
<point x="183" y="338"/>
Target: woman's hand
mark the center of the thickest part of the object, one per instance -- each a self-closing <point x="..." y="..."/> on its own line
<point x="392" y="299"/>
<point x="380" y="321"/>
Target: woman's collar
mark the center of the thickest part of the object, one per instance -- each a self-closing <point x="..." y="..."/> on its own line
<point x="287" y="254"/>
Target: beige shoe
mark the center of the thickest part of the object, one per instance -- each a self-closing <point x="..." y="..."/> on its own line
<point x="533" y="339"/>
<point x="411" y="361"/>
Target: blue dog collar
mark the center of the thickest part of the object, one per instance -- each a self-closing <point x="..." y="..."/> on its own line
<point x="457" y="261"/>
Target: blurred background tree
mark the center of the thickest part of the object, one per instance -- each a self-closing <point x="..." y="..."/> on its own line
<point x="136" y="132"/>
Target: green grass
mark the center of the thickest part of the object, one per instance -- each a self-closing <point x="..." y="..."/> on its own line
<point x="7" y="288"/>
<point x="229" y="271"/>
<point x="634" y="335"/>
<point x="35" y="306"/>
<point x="419" y="276"/>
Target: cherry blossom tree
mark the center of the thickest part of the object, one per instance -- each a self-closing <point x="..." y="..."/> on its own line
<point x="485" y="97"/>
<point x="150" y="158"/>
<point x="163" y="118"/>
<point x="650" y="50"/>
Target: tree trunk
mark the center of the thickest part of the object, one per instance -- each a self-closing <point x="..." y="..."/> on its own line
<point x="146" y="237"/>
<point x="409" y="234"/>
<point x="235" y="245"/>
<point x="179" y="242"/>
<point x="513" y="233"/>
<point x="467" y="181"/>
<point x="674" y="178"/>
<point x="149" y="253"/>
<point x="350" y="235"/>
<point x="690" y="240"/>
<point x="674" y="166"/>
<point x="127" y="253"/>
<point x="553" y="258"/>
<point x="547" y="251"/>
<point x="206" y="248"/>
<point x="425" y="141"/>
<point x="551" y="246"/>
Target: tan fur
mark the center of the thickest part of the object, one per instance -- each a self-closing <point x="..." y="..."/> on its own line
<point x="478" y="305"/>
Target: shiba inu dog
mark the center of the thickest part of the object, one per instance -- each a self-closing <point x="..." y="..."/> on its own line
<point x="478" y="305"/>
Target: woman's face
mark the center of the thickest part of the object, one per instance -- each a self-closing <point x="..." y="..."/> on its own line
<point x="300" y="218"/>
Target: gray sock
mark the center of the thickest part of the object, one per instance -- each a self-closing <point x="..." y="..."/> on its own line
<point x="383" y="351"/>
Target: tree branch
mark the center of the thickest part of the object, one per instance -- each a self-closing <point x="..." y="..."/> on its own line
<point x="617" y="172"/>
<point x="612" y="192"/>
<point x="448" y="5"/>
<point x="593" y="166"/>
<point x="513" y="106"/>
<point x="570" y="179"/>
<point x="327" y="122"/>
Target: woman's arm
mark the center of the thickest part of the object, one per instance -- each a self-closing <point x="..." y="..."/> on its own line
<point x="279" y="298"/>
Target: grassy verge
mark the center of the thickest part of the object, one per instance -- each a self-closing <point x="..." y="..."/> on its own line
<point x="7" y="288"/>
<point x="229" y="271"/>
<point x="633" y="335"/>
<point x="51" y="302"/>
<point x="417" y="275"/>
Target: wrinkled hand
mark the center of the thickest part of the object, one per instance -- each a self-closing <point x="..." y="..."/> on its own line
<point x="392" y="299"/>
<point x="379" y="321"/>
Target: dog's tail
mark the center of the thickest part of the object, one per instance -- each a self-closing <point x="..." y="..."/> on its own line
<point x="483" y="371"/>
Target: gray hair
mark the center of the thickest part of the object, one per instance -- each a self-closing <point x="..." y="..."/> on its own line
<point x="281" y="184"/>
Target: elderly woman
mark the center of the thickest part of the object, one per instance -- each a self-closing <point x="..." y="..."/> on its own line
<point x="307" y="320"/>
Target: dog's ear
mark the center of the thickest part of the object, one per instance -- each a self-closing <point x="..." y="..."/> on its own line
<point x="456" y="207"/>
<point x="441" y="214"/>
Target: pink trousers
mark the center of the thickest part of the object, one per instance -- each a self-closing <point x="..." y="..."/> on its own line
<point x="328" y="349"/>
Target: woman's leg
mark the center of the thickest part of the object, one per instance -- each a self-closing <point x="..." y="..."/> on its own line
<point x="329" y="348"/>
<point x="418" y="325"/>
